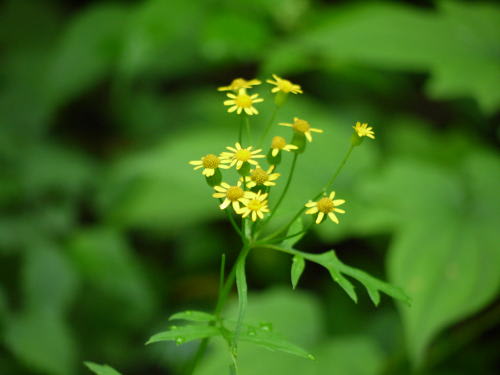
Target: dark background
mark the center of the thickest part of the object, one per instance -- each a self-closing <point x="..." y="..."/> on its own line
<point x="105" y="230"/>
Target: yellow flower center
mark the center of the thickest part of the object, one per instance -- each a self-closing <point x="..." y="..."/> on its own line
<point x="259" y="176"/>
<point x="243" y="101"/>
<point x="285" y="85"/>
<point x="325" y="205"/>
<point x="210" y="161"/>
<point x="255" y="205"/>
<point x="238" y="83"/>
<point x="301" y="125"/>
<point x="243" y="155"/>
<point x="234" y="193"/>
<point x="278" y="142"/>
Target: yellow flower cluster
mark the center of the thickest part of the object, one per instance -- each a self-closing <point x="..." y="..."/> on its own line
<point x="248" y="196"/>
<point x="246" y="203"/>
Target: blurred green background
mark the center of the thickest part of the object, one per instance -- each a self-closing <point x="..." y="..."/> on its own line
<point x="105" y="230"/>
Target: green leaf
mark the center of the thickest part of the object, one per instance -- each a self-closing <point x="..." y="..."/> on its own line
<point x="445" y="254"/>
<point x="241" y="286"/>
<point x="330" y="262"/>
<point x="41" y="340"/>
<point x="336" y="269"/>
<point x="184" y="334"/>
<point x="372" y="284"/>
<point x="87" y="52"/>
<point x="96" y="251"/>
<point x="194" y="316"/>
<point x="457" y="44"/>
<point x="298" y="266"/>
<point x="101" y="369"/>
<point x="272" y="341"/>
<point x="49" y="280"/>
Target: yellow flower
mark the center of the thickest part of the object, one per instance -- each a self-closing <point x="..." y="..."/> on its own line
<point x="243" y="102"/>
<point x="240" y="83"/>
<point x="363" y="130"/>
<point x="303" y="127"/>
<point x="258" y="176"/>
<point x="232" y="195"/>
<point x="279" y="143"/>
<point x="210" y="163"/>
<point x="255" y="205"/>
<point x="239" y="155"/>
<point x="284" y="85"/>
<point x="325" y="206"/>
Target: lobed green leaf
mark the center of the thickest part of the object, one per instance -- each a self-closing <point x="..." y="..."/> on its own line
<point x="184" y="334"/>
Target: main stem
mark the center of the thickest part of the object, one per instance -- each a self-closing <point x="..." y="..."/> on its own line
<point x="221" y="300"/>
<point x="324" y="190"/>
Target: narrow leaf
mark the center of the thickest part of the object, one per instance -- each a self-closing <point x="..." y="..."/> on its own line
<point x="328" y="260"/>
<point x="372" y="284"/>
<point x="193" y="316"/>
<point x="185" y="334"/>
<point x="271" y="341"/>
<point x="298" y="266"/>
<point x="241" y="285"/>
<point x="101" y="369"/>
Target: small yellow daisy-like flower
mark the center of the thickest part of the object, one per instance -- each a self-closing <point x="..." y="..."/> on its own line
<point x="284" y="85"/>
<point x="303" y="127"/>
<point x="279" y="143"/>
<point x="243" y="102"/>
<point x="363" y="130"/>
<point x="240" y="83"/>
<point x="258" y="176"/>
<point x="325" y="206"/>
<point x="255" y="205"/>
<point x="232" y="195"/>
<point x="210" y="163"/>
<point x="239" y="155"/>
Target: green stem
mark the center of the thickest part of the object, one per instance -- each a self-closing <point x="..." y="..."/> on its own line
<point x="242" y="296"/>
<point x="337" y="172"/>
<point x="324" y="190"/>
<point x="269" y="126"/>
<point x="249" y="133"/>
<point x="221" y="301"/>
<point x="240" y="132"/>
<point x="285" y="190"/>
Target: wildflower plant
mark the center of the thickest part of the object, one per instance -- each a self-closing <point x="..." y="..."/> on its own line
<point x="250" y="201"/>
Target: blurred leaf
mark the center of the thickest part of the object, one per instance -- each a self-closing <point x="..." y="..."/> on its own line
<point x="42" y="341"/>
<point x="184" y="334"/>
<point x="222" y="36"/>
<point x="444" y="254"/>
<point x="101" y="369"/>
<point x="298" y="266"/>
<point x="87" y="52"/>
<point x="193" y="316"/>
<point x="95" y="252"/>
<point x="350" y="355"/>
<point x="49" y="281"/>
<point x="458" y="44"/>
